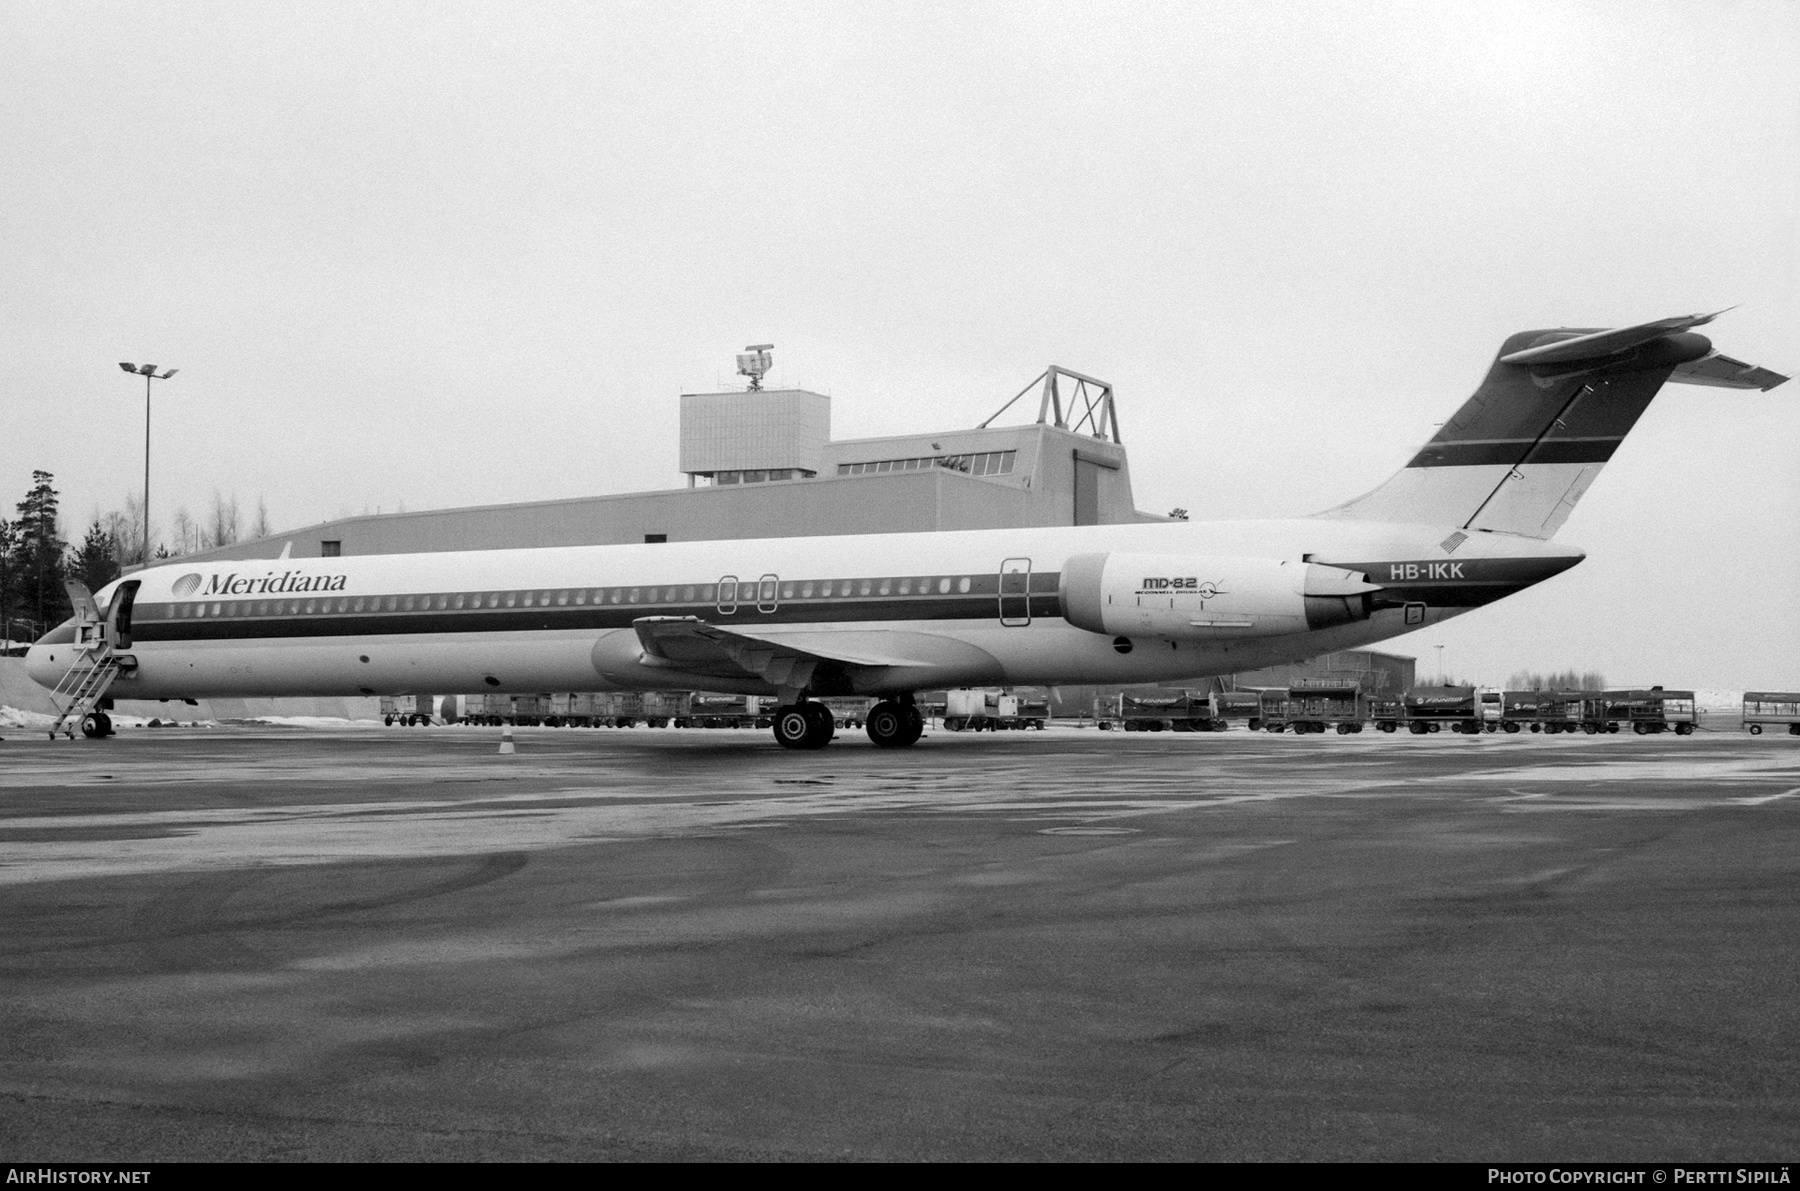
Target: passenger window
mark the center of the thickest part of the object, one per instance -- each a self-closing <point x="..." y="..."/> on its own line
<point x="887" y="585"/>
<point x="943" y="585"/>
<point x="512" y="599"/>
<point x="906" y="587"/>
<point x="962" y="584"/>
<point x="806" y="591"/>
<point x="633" y="597"/>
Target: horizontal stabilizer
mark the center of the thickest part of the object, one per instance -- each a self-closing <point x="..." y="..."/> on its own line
<point x="1567" y="347"/>
<point x="1726" y="373"/>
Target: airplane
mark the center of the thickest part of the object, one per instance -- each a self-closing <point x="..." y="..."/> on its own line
<point x="1466" y="522"/>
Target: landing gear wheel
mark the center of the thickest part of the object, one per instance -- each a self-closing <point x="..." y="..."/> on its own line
<point x="804" y="726"/>
<point x="93" y="725"/>
<point x="889" y="726"/>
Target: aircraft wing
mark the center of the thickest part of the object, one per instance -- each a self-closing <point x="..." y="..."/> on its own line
<point x="1726" y="373"/>
<point x="688" y="643"/>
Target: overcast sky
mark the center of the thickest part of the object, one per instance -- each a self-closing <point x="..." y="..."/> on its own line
<point x="434" y="255"/>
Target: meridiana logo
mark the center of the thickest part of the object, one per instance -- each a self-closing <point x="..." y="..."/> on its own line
<point x="267" y="584"/>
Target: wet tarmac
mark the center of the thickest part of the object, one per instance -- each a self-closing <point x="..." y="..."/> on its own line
<point x="241" y="943"/>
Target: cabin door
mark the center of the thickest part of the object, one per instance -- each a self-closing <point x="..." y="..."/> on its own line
<point x="1015" y="592"/>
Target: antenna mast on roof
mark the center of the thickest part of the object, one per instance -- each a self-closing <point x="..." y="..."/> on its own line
<point x="754" y="362"/>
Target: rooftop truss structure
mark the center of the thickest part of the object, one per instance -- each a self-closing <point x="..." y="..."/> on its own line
<point x="1090" y="407"/>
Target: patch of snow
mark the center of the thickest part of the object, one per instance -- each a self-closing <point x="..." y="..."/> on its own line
<point x="12" y="717"/>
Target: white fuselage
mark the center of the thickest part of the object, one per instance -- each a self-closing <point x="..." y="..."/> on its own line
<point x="561" y="619"/>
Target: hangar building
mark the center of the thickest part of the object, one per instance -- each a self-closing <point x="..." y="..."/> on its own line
<point x="762" y="463"/>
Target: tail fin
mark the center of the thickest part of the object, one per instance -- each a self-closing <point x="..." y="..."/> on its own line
<point x="1554" y="407"/>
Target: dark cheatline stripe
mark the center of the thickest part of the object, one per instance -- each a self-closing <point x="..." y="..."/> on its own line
<point x="1511" y="452"/>
<point x="975" y="606"/>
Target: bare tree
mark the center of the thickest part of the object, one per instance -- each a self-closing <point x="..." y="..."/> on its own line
<point x="187" y="533"/>
<point x="127" y="529"/>
<point x="223" y="530"/>
<point x="1562" y="680"/>
<point x="261" y="527"/>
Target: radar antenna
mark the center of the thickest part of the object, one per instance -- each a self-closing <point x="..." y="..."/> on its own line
<point x="754" y="362"/>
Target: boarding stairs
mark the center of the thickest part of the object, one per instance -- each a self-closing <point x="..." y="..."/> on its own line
<point x="96" y="662"/>
<point x="85" y="684"/>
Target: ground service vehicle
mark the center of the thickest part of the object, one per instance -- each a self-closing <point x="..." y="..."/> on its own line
<point x="1176" y="712"/>
<point x="976" y="710"/>
<point x="1648" y="712"/>
<point x="1315" y="707"/>
<point x="410" y="710"/>
<point x="1432" y="708"/>
<point x="710" y="710"/>
<point x="1772" y="709"/>
<point x="1522" y="710"/>
<point x="1236" y="705"/>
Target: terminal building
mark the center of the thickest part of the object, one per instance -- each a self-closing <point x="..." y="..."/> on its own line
<point x="762" y="463"/>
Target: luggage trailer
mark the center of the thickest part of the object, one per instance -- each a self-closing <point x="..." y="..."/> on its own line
<point x="1771" y="709"/>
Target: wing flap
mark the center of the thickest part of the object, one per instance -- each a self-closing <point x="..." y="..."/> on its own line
<point x="688" y="643"/>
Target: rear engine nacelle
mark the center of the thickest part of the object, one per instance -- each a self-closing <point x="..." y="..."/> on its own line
<point x="1185" y="597"/>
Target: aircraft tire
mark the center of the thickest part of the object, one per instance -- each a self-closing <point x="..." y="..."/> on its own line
<point x="825" y="724"/>
<point x="1756" y="729"/>
<point x="92" y="726"/>
<point x="797" y="728"/>
<point x="889" y="726"/>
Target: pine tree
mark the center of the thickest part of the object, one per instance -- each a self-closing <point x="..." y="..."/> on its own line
<point x="96" y="563"/>
<point x="9" y="577"/>
<point x="40" y="554"/>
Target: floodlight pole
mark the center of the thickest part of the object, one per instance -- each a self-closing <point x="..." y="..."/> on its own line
<point x="145" y="560"/>
<point x="149" y="373"/>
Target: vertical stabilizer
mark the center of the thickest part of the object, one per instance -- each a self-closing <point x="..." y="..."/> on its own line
<point x="1553" y="408"/>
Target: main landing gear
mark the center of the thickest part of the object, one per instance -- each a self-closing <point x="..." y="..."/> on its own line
<point x="891" y="724"/>
<point x="95" y="725"/>
<point x="806" y="725"/>
<point x="895" y="725"/>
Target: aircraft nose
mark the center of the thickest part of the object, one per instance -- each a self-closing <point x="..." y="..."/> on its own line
<point x="48" y="659"/>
